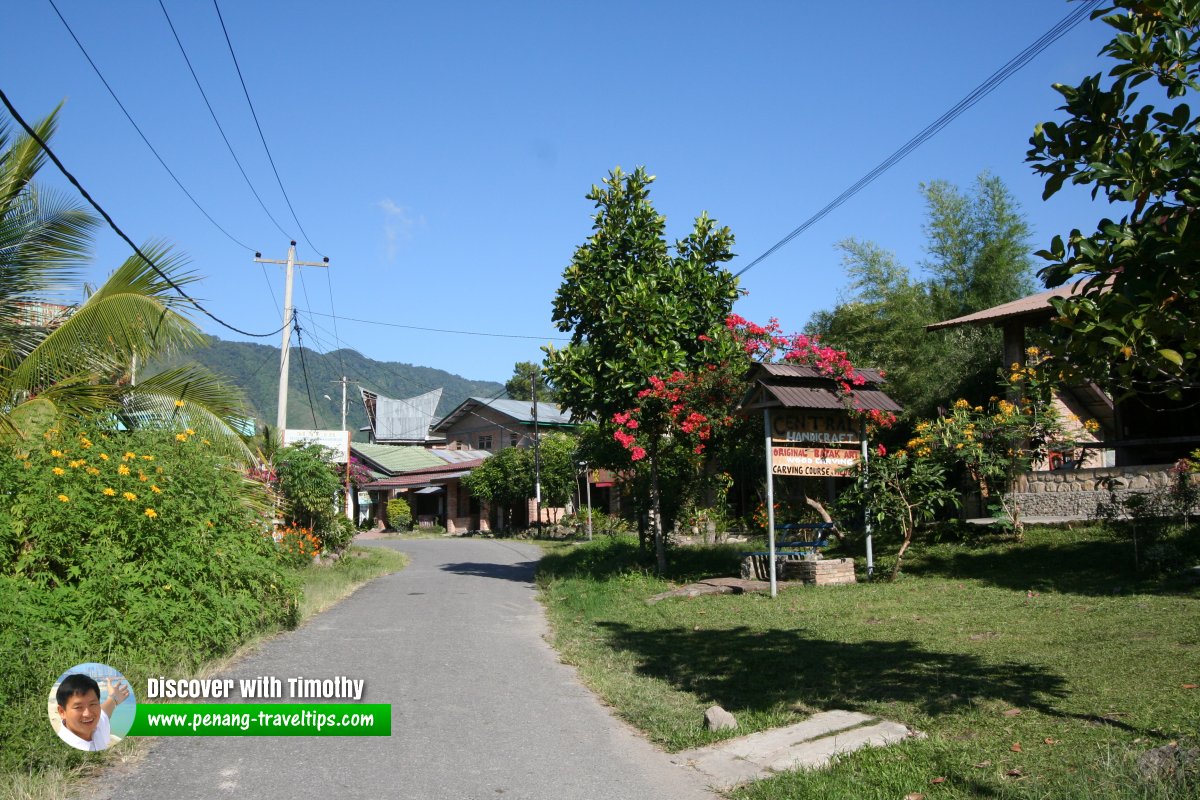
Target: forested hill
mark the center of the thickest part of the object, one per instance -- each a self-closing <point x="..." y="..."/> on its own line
<point x="254" y="368"/>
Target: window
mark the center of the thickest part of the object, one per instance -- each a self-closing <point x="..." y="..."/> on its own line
<point x="514" y="439"/>
<point x="485" y="441"/>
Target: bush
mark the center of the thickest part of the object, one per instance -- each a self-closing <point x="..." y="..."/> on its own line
<point x="309" y="484"/>
<point x="339" y="535"/>
<point x="148" y="551"/>
<point x="602" y="524"/>
<point x="399" y="514"/>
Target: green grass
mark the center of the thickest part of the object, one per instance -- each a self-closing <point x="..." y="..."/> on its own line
<point x="1051" y="644"/>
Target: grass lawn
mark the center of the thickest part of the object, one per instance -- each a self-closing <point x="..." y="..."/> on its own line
<point x="1038" y="670"/>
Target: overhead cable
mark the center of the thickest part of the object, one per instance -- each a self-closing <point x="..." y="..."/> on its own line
<point x="129" y="117"/>
<point x="217" y="122"/>
<point x="86" y="196"/>
<point x="978" y="93"/>
<point x="445" y="330"/>
<point x="261" y="136"/>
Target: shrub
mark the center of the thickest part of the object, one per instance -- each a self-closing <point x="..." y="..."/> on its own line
<point x="341" y="536"/>
<point x="297" y="546"/>
<point x="145" y="550"/>
<point x="309" y="484"/>
<point x="399" y="514"/>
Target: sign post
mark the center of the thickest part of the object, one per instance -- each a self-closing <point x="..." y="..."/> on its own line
<point x="770" y="501"/>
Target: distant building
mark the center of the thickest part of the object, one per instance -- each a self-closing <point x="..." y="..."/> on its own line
<point x="36" y="314"/>
<point x="490" y="424"/>
<point x="401" y="421"/>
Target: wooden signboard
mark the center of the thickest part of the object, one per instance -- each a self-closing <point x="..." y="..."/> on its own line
<point x="814" y="428"/>
<point x="829" y="462"/>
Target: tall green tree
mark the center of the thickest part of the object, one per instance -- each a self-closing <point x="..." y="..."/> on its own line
<point x="80" y="366"/>
<point x="1133" y="324"/>
<point x="977" y="244"/>
<point x="635" y="309"/>
<point x="520" y="385"/>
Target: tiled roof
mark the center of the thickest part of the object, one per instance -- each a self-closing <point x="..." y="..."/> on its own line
<point x="393" y="458"/>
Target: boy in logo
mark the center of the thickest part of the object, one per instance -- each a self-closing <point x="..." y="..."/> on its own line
<point x="85" y="720"/>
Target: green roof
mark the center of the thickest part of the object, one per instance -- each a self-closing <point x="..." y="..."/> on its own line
<point x="396" y="458"/>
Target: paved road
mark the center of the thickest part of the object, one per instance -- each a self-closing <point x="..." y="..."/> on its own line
<point x="480" y="706"/>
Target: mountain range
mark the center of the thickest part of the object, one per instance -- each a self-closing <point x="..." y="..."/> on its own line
<point x="254" y="368"/>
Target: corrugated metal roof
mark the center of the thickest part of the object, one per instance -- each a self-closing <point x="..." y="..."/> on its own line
<point x="1035" y="305"/>
<point x="459" y="456"/>
<point x="519" y="410"/>
<point x="805" y="371"/>
<point x="420" y="478"/>
<point x="401" y="420"/>
<point x="393" y="458"/>
<point x="810" y="397"/>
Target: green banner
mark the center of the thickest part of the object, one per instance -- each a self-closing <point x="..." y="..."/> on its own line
<point x="262" y="719"/>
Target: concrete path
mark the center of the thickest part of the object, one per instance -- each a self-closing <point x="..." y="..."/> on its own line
<point x="481" y="708"/>
<point x="805" y="745"/>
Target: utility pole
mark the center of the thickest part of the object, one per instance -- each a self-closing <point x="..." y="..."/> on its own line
<point x="349" y="500"/>
<point x="587" y="480"/>
<point x="537" y="454"/>
<point x="288" y="314"/>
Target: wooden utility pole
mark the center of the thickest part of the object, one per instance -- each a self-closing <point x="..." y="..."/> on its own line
<point x="349" y="499"/>
<point x="288" y="314"/>
<point x="537" y="453"/>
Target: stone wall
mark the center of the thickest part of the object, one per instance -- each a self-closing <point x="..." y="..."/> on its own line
<point x="799" y="569"/>
<point x="1075" y="493"/>
<point x="821" y="572"/>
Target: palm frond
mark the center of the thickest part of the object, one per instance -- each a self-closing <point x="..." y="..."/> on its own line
<point x="130" y="313"/>
<point x="192" y="397"/>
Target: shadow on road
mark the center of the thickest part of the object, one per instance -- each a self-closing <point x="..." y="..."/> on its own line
<point x="521" y="573"/>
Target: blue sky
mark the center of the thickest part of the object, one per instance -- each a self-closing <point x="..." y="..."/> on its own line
<point x="439" y="153"/>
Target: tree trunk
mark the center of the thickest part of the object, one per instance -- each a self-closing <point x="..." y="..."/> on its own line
<point x="660" y="543"/>
<point x="820" y="509"/>
<point x="908" y="534"/>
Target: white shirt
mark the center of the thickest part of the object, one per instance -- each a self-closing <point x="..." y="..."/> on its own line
<point x="100" y="736"/>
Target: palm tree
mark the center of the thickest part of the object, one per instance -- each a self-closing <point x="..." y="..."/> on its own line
<point x="79" y="365"/>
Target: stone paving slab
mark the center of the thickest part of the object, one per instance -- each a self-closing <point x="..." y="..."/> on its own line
<point x="805" y="745"/>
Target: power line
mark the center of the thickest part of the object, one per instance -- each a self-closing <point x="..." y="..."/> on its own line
<point x="217" y="122"/>
<point x="312" y="407"/>
<point x="261" y="136"/>
<point x="129" y="117"/>
<point x="445" y="330"/>
<point x="75" y="182"/>
<point x="395" y="374"/>
<point x="978" y="93"/>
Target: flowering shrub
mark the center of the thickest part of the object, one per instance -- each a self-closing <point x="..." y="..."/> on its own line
<point x="138" y="547"/>
<point x="297" y="546"/>
<point x="995" y="443"/>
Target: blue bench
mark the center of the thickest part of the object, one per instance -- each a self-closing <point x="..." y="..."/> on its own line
<point x="755" y="564"/>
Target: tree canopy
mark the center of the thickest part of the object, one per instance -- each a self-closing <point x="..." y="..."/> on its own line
<point x="977" y="243"/>
<point x="633" y="307"/>
<point x="1133" y="324"/>
<point x="520" y="385"/>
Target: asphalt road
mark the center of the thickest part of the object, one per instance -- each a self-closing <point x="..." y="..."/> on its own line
<point x="481" y="708"/>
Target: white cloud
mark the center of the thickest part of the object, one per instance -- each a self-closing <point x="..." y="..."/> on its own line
<point x="398" y="224"/>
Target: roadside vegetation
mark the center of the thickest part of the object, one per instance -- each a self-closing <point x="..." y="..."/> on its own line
<point x="1041" y="668"/>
